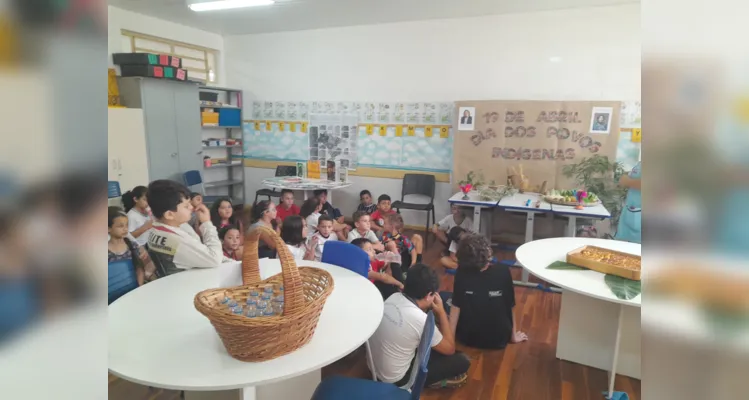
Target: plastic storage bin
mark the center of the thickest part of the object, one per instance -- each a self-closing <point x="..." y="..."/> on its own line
<point x="229" y="117"/>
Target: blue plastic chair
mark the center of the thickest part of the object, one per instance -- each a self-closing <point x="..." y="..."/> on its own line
<point x="346" y="255"/>
<point x="122" y="279"/>
<point x="193" y="178"/>
<point x="345" y="388"/>
<point x="113" y="189"/>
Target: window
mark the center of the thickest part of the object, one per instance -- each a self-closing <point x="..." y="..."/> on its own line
<point x="200" y="62"/>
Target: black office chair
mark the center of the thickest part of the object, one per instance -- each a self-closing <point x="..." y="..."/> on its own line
<point x="420" y="184"/>
<point x="281" y="170"/>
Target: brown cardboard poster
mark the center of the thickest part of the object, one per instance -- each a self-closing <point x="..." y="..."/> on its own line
<point x="542" y="136"/>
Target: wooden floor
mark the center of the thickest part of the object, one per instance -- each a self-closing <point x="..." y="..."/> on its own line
<point x="527" y="371"/>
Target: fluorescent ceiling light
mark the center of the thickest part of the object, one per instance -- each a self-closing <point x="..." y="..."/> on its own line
<point x="212" y="5"/>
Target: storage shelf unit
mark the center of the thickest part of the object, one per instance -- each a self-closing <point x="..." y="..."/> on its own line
<point x="222" y="177"/>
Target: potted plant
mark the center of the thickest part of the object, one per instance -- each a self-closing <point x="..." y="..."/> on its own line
<point x="599" y="175"/>
<point x="474" y="178"/>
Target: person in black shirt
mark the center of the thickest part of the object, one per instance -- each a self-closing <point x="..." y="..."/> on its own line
<point x="483" y="297"/>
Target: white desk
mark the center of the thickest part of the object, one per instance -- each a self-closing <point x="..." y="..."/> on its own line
<point x="306" y="185"/>
<point x="517" y="202"/>
<point x="158" y="338"/>
<point x="596" y="328"/>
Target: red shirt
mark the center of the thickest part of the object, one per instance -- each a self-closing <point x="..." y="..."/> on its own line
<point x="282" y="213"/>
<point x="378" y="218"/>
<point x="376" y="266"/>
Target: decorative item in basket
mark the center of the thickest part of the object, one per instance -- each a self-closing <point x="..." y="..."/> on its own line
<point x="284" y="321"/>
<point x="570" y="198"/>
<point x="607" y="261"/>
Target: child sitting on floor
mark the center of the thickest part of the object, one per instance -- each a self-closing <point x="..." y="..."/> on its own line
<point x="456" y="218"/>
<point x="122" y="248"/>
<point x="362" y="229"/>
<point x="138" y="214"/>
<point x="231" y="241"/>
<point x="222" y="214"/>
<point x="294" y="234"/>
<point x="339" y="227"/>
<point x="286" y="207"/>
<point x="310" y="211"/>
<point x="379" y="271"/>
<point x="454" y="236"/>
<point x="180" y="249"/>
<point x="324" y="234"/>
<point x="378" y="217"/>
<point x="483" y="298"/>
<point x="394" y="240"/>
<point x="366" y="204"/>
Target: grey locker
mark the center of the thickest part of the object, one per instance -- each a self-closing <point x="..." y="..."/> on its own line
<point x="171" y="117"/>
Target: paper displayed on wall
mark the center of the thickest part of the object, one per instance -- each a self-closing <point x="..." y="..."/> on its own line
<point x="543" y="136"/>
<point x="466" y="118"/>
<point x="390" y="140"/>
<point x="331" y="138"/>
<point x="600" y="120"/>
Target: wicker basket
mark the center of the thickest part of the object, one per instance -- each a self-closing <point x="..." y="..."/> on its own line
<point x="265" y="338"/>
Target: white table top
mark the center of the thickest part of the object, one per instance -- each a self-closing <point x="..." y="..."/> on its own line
<point x="515" y="202"/>
<point x="304" y="184"/>
<point x="535" y="256"/>
<point x="158" y="338"/>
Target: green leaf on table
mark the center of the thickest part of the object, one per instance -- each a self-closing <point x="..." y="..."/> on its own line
<point x="563" y="265"/>
<point x="623" y="288"/>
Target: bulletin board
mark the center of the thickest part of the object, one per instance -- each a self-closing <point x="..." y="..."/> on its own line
<point x="543" y="136"/>
<point x="396" y="135"/>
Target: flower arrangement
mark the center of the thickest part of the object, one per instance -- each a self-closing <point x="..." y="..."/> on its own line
<point x="465" y="188"/>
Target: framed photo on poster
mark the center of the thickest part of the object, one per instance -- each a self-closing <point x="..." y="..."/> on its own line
<point x="600" y="120"/>
<point x="466" y="118"/>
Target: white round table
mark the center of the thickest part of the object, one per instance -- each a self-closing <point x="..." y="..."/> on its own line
<point x="596" y="328"/>
<point x="158" y="338"/>
<point x="306" y="185"/>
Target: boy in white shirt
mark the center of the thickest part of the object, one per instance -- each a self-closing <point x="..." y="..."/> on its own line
<point x="396" y="340"/>
<point x="456" y="218"/>
<point x="324" y="234"/>
<point x="174" y="246"/>
<point x="362" y="229"/>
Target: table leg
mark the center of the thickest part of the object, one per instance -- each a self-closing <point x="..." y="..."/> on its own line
<point x="529" y="224"/>
<point x="305" y="195"/>
<point x="618" y="340"/>
<point x="571" y="226"/>
<point x="330" y="196"/>
<point x="298" y="388"/>
<point x="477" y="219"/>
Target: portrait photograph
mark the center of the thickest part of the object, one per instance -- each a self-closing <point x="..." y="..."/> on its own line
<point x="466" y="118"/>
<point x="600" y="120"/>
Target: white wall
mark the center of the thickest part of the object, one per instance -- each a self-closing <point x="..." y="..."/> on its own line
<point x="493" y="57"/>
<point x="119" y="19"/>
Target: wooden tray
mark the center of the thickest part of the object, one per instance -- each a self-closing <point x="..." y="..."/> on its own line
<point x="575" y="258"/>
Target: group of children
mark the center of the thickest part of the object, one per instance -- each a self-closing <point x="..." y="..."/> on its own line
<point x="377" y="228"/>
<point x="180" y="233"/>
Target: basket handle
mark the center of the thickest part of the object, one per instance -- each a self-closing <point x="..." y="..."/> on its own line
<point x="292" y="281"/>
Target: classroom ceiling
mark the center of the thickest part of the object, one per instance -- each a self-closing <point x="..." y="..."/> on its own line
<point x="294" y="15"/>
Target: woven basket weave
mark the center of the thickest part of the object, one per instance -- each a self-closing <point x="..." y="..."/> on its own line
<point x="265" y="338"/>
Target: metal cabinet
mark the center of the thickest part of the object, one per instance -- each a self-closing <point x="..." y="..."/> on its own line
<point x="171" y="117"/>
